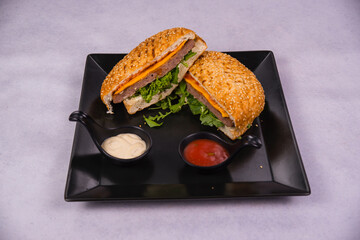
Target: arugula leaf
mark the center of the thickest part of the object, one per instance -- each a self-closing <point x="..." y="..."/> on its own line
<point x="159" y="85"/>
<point x="181" y="89"/>
<point x="179" y="94"/>
<point x="175" y="74"/>
<point x="195" y="106"/>
<point x="182" y="94"/>
<point x="184" y="63"/>
<point x="207" y="118"/>
<point x="187" y="57"/>
<point x="151" y="120"/>
<point x="183" y="98"/>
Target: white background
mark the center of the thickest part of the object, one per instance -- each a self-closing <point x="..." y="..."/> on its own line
<point x="43" y="47"/>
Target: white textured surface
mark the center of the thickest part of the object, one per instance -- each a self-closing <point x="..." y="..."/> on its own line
<point x="43" y="46"/>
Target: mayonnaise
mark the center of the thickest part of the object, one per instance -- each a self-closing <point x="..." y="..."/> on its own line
<point x="124" y="145"/>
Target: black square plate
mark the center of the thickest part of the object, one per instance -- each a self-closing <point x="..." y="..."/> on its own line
<point x="276" y="169"/>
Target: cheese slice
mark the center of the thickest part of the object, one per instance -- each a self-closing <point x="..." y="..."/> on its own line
<point x="189" y="79"/>
<point x="149" y="70"/>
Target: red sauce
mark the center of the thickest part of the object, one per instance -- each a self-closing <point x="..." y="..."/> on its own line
<point x="205" y="152"/>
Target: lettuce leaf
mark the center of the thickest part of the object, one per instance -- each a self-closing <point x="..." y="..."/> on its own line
<point x="159" y="85"/>
<point x="183" y="98"/>
<point x="179" y="94"/>
<point x="152" y="121"/>
<point x="207" y="118"/>
<point x="187" y="57"/>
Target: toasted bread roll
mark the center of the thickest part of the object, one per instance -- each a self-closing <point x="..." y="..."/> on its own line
<point x="230" y="88"/>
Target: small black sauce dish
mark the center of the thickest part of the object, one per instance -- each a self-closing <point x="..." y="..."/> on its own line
<point x="233" y="149"/>
<point x="99" y="134"/>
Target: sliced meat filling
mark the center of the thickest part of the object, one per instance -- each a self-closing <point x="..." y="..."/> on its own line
<point x="157" y="73"/>
<point x="227" y="121"/>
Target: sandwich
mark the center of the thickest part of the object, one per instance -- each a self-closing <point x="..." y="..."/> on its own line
<point x="152" y="70"/>
<point x="227" y="89"/>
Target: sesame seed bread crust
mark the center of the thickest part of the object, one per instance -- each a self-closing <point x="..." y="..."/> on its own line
<point x="233" y="86"/>
<point x="140" y="58"/>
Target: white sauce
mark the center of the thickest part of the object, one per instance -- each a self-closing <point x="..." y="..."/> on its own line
<point x="124" y="145"/>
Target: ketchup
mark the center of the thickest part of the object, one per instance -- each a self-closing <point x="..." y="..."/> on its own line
<point x="205" y="153"/>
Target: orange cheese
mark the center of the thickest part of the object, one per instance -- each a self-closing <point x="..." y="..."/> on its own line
<point x="149" y="70"/>
<point x="189" y="79"/>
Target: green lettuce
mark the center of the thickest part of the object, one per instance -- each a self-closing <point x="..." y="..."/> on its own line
<point x="179" y="94"/>
<point x="207" y="118"/>
<point x="187" y="57"/>
<point x="153" y="121"/>
<point x="159" y="85"/>
<point x="183" y="98"/>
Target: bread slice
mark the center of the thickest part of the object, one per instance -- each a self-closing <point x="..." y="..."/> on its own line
<point x="232" y="86"/>
<point x="145" y="55"/>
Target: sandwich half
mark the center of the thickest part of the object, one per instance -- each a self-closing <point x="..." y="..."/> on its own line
<point x="152" y="70"/>
<point x="228" y="89"/>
